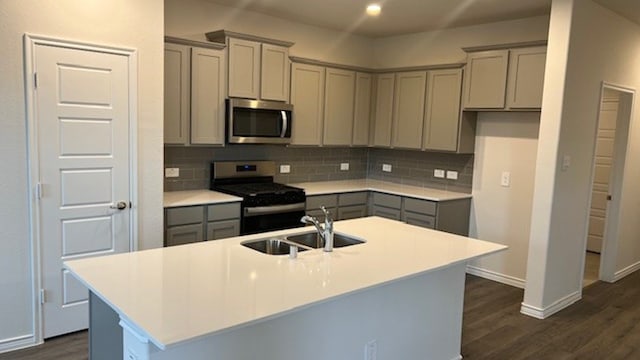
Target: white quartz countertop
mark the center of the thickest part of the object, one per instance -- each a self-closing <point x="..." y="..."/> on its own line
<point x="342" y="186"/>
<point x="173" y="295"/>
<point x="204" y="197"/>
<point x="196" y="197"/>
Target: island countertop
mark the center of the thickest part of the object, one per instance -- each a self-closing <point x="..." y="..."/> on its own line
<point x="177" y="294"/>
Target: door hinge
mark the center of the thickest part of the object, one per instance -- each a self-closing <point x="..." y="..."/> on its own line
<point x="35" y="80"/>
<point x="43" y="296"/>
<point x="38" y="191"/>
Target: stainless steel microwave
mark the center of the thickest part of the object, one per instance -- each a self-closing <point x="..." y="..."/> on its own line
<point x="258" y="122"/>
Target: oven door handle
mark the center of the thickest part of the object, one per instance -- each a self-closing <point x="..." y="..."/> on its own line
<point x="274" y="209"/>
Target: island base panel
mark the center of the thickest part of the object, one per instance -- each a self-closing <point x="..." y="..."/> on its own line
<point x="105" y="334"/>
<point x="415" y="318"/>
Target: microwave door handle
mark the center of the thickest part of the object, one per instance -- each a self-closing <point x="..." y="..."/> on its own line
<point x="285" y="123"/>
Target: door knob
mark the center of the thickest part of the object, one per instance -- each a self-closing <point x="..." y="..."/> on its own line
<point x="120" y="205"/>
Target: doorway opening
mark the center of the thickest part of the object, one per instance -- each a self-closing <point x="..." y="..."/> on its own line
<point x="607" y="172"/>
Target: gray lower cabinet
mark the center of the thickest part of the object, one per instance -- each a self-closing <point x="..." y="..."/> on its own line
<point x="450" y="216"/>
<point x="341" y="206"/>
<point x="189" y="224"/>
<point x="330" y="202"/>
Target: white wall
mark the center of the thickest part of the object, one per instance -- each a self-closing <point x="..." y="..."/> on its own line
<point x="588" y="44"/>
<point x="134" y="24"/>
<point x="193" y="18"/>
<point x="504" y="142"/>
<point x="445" y="46"/>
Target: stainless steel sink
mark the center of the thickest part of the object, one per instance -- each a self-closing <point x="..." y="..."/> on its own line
<point x="272" y="246"/>
<point x="312" y="239"/>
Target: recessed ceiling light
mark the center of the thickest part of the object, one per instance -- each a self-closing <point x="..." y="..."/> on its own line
<point x="373" y="10"/>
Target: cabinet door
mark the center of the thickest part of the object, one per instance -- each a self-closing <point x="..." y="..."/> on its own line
<point x="526" y="78"/>
<point x="352" y="212"/>
<point x="274" y="74"/>
<point x="244" y="68"/>
<point x="223" y="229"/>
<point x="338" y="106"/>
<point x="442" y="112"/>
<point x="362" y="108"/>
<point x="486" y="79"/>
<point x="383" y="110"/>
<point x="184" y="234"/>
<point x="422" y="220"/>
<point x="207" y="96"/>
<point x="408" y="112"/>
<point x="307" y="97"/>
<point x="176" y="94"/>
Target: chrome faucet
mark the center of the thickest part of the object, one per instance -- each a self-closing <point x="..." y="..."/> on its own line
<point x="326" y="232"/>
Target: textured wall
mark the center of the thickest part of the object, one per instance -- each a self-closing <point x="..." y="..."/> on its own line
<point x="322" y="164"/>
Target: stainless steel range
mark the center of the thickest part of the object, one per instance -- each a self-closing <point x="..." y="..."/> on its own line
<point x="266" y="205"/>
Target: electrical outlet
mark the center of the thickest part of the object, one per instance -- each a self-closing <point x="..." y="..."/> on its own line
<point x="438" y="173"/>
<point x="452" y="175"/>
<point x="371" y="350"/>
<point x="386" y="167"/>
<point x="285" y="169"/>
<point x="172" y="172"/>
<point x="344" y="166"/>
<point x="505" y="179"/>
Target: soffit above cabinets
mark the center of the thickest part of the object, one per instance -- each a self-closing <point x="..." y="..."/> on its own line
<point x="397" y="17"/>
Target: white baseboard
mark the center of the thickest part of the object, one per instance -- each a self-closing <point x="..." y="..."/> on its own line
<point x="496" y="276"/>
<point x="539" y="313"/>
<point x="17" y="343"/>
<point x="626" y="271"/>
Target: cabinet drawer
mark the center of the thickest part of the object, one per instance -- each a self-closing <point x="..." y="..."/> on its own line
<point x="352" y="212"/>
<point x="328" y="201"/>
<point x="386" y="212"/>
<point x="223" y="229"/>
<point x="420" y="206"/>
<point x="185" y="215"/>
<point x="223" y="211"/>
<point x="391" y="201"/>
<point x="185" y="234"/>
<point x="358" y="198"/>
<point x="423" y="220"/>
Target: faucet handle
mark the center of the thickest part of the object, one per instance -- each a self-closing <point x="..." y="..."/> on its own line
<point x="327" y="215"/>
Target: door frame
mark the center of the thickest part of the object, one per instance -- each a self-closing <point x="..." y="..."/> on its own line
<point x="606" y="271"/>
<point x="33" y="161"/>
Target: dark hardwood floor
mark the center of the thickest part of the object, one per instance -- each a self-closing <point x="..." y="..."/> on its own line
<point x="605" y="324"/>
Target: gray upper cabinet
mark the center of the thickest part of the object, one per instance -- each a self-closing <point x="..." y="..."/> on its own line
<point x="244" y="68"/>
<point x="274" y="84"/>
<point x="307" y="97"/>
<point x="383" y="110"/>
<point x="362" y="108"/>
<point x="442" y="111"/>
<point x="507" y="79"/>
<point x="194" y="93"/>
<point x="177" y="68"/>
<point x="526" y="77"/>
<point x="408" y="111"/>
<point x="207" y="96"/>
<point x="338" y="107"/>
<point x="486" y="79"/>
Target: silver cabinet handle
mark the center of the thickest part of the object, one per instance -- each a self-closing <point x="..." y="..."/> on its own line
<point x="120" y="205"/>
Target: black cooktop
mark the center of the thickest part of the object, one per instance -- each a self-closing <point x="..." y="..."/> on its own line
<point x="256" y="189"/>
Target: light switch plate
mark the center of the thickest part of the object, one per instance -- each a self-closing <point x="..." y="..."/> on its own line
<point x="505" y="179"/>
<point x="452" y="175"/>
<point x="566" y="162"/>
<point x="172" y="172"/>
<point x="386" y="167"/>
<point x="344" y="166"/>
<point x="438" y="173"/>
<point x="285" y="169"/>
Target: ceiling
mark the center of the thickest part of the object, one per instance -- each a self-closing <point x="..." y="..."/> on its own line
<point x="629" y="9"/>
<point x="398" y="16"/>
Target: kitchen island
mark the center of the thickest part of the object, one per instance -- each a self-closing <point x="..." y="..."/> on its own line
<point x="399" y="295"/>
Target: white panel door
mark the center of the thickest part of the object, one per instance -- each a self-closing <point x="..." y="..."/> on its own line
<point x="603" y="168"/>
<point x="82" y="135"/>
